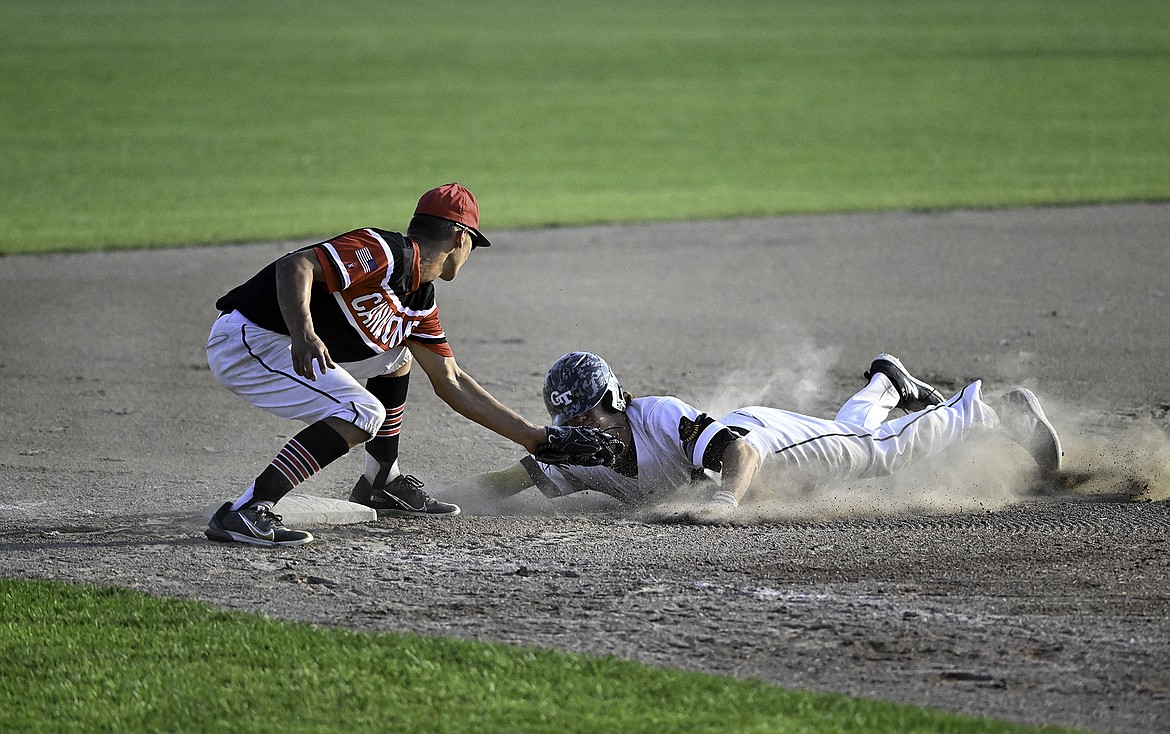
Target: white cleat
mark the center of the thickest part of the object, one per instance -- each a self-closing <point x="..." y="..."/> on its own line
<point x="1025" y="422"/>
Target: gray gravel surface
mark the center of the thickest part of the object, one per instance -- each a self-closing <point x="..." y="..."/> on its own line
<point x="964" y="586"/>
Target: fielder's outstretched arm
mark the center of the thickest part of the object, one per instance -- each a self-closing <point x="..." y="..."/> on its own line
<point x="457" y="389"/>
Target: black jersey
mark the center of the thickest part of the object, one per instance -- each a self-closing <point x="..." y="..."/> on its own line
<point x="371" y="300"/>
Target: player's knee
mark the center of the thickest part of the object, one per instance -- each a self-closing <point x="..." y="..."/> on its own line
<point x="371" y="414"/>
<point x="362" y="418"/>
<point x="377" y="413"/>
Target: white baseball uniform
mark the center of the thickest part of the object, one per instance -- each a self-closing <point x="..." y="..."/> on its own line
<point x="675" y="442"/>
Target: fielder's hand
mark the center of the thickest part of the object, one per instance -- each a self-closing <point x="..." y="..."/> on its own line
<point x="307" y="354"/>
<point x="578" y="446"/>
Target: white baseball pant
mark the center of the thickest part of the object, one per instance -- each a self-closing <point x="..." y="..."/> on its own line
<point x="860" y="442"/>
<point x="256" y="364"/>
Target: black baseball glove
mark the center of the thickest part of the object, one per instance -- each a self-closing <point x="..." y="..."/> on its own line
<point x="578" y="446"/>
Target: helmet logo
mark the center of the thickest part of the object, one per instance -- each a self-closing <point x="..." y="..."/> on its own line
<point x="561" y="398"/>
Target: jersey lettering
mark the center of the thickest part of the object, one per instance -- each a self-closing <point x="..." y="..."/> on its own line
<point x="380" y="320"/>
<point x="387" y="304"/>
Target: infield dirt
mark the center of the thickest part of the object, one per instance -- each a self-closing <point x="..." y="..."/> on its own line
<point x="962" y="585"/>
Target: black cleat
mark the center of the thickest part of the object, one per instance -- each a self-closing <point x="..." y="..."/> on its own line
<point x="256" y="525"/>
<point x="914" y="393"/>
<point x="1025" y="422"/>
<point x="401" y="496"/>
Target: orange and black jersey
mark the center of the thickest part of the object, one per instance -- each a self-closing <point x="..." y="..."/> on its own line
<point x="371" y="300"/>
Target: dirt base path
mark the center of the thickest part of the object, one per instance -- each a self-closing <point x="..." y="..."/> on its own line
<point x="956" y="586"/>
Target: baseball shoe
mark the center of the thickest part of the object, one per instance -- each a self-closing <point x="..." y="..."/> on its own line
<point x="256" y="525"/>
<point x="1026" y="424"/>
<point x="402" y="496"/>
<point x="914" y="393"/>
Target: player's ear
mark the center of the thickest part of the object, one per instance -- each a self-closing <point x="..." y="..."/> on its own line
<point x="458" y="240"/>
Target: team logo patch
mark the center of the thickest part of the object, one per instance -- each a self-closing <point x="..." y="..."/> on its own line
<point x="366" y="258"/>
<point x="561" y="398"/>
<point x="689" y="430"/>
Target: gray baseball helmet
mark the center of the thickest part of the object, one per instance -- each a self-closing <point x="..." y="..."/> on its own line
<point x="576" y="383"/>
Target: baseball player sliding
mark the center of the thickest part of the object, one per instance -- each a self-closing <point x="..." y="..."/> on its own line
<point x="327" y="335"/>
<point x="666" y="443"/>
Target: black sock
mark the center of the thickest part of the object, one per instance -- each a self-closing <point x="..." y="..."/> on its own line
<point x="304" y="455"/>
<point x="391" y="392"/>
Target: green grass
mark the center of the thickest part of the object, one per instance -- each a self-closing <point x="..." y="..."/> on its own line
<point x="78" y="658"/>
<point x="132" y="123"/>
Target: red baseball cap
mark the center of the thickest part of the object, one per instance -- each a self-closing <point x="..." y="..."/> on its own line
<point x="455" y="204"/>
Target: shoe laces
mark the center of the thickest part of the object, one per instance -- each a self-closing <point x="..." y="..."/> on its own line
<point x="408" y="488"/>
<point x="267" y="516"/>
<point x="411" y="480"/>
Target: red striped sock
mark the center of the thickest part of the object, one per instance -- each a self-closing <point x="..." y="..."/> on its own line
<point x="304" y="455"/>
<point x="391" y="391"/>
<point x="393" y="424"/>
<point x="296" y="462"/>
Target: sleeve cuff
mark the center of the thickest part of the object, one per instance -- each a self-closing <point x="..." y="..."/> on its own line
<point x="332" y="282"/>
<point x="711" y="444"/>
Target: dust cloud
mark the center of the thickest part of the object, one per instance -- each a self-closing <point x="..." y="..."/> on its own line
<point x="785" y="370"/>
<point x="1131" y="464"/>
<point x="984" y="474"/>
